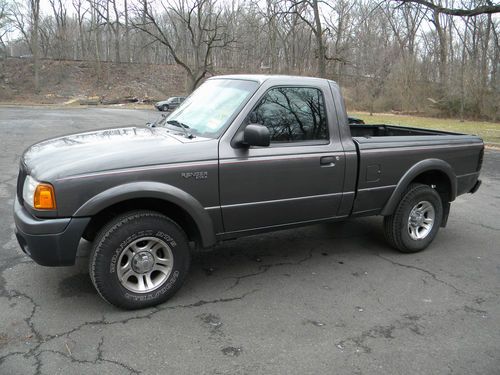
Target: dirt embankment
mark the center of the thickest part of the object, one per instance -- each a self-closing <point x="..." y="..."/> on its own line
<point x="74" y="81"/>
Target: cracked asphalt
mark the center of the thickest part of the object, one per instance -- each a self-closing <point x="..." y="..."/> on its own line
<point x="325" y="299"/>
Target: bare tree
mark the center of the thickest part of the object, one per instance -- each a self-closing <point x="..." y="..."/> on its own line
<point x="443" y="47"/>
<point x="308" y="11"/>
<point x="26" y="19"/>
<point x="115" y="26"/>
<point x="5" y="21"/>
<point x="21" y="21"/>
<point x="195" y="22"/>
<point x="81" y="12"/>
<point x="95" y="23"/>
<point x="61" y="18"/>
<point x="339" y="26"/>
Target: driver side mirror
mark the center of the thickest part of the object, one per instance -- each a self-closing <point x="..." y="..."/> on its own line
<point x="256" y="135"/>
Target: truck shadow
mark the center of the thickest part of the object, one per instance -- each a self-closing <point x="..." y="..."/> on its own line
<point x="352" y="238"/>
<point x="340" y="243"/>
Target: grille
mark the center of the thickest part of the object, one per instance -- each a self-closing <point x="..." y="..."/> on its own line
<point x="20" y="181"/>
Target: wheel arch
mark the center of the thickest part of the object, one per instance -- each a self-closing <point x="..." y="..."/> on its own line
<point x="166" y="199"/>
<point x="430" y="172"/>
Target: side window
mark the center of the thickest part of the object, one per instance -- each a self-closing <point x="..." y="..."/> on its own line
<point x="292" y="114"/>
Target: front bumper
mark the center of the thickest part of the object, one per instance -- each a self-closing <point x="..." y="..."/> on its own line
<point x="49" y="242"/>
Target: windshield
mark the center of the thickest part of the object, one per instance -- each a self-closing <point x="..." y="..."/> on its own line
<point x="207" y="110"/>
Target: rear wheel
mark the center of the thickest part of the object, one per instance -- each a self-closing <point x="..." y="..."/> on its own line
<point x="139" y="259"/>
<point x="416" y="220"/>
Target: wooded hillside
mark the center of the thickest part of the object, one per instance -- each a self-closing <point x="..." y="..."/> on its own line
<point x="409" y="56"/>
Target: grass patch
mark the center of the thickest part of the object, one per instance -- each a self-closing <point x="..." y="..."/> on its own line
<point x="488" y="131"/>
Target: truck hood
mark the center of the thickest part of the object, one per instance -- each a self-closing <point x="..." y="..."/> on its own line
<point x="108" y="149"/>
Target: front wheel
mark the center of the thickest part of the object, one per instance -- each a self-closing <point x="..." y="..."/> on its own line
<point x="139" y="259"/>
<point x="416" y="220"/>
<point x="164" y="108"/>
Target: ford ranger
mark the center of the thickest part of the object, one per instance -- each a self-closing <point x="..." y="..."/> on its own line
<point x="243" y="154"/>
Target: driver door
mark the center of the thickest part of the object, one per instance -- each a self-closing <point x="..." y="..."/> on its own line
<point x="298" y="178"/>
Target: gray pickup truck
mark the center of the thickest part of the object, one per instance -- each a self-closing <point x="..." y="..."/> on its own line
<point x="240" y="156"/>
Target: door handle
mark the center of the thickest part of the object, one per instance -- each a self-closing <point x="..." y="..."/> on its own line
<point x="327" y="160"/>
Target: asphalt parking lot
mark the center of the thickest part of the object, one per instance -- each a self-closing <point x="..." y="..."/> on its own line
<point x="325" y="299"/>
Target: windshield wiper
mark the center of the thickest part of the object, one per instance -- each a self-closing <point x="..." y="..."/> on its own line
<point x="184" y="128"/>
<point x="157" y="122"/>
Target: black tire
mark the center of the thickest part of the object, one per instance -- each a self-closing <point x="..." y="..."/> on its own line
<point x="164" y="108"/>
<point x="396" y="226"/>
<point x="114" y="239"/>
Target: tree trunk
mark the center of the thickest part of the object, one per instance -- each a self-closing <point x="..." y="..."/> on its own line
<point x="116" y="31"/>
<point x="495" y="82"/>
<point x="35" y="9"/>
<point x="117" y="44"/>
<point x="443" y="52"/>
<point x="320" y="43"/>
<point x="271" y="15"/>
<point x="97" y="47"/>
<point x="127" y="33"/>
<point x="462" y="81"/>
<point x="144" y="57"/>
<point x="484" y="66"/>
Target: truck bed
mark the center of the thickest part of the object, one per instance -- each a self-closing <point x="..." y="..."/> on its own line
<point x="388" y="152"/>
<point x="369" y="131"/>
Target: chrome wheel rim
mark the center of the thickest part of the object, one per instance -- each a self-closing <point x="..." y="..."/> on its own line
<point x="145" y="264"/>
<point x="421" y="220"/>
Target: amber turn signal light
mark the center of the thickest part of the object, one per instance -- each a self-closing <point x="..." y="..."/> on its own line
<point x="44" y="198"/>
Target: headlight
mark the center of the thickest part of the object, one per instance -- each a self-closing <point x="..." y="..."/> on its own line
<point x="29" y="188"/>
<point x="39" y="195"/>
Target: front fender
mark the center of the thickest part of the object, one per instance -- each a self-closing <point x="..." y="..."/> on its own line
<point x="412" y="173"/>
<point x="149" y="189"/>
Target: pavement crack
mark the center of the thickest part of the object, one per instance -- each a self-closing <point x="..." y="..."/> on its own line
<point x="38" y="363"/>
<point x="36" y="351"/>
<point x="48" y="338"/>
<point x="99" y="349"/>
<point x="220" y="300"/>
<point x="29" y="319"/>
<point x="381" y="331"/>
<point x="245" y="276"/>
<point x="263" y="268"/>
<point x="485" y="226"/>
<point x="7" y="263"/>
<point x="39" y="339"/>
<point x="8" y="355"/>
<point x="431" y="274"/>
<point x="99" y="359"/>
<point x="104" y="322"/>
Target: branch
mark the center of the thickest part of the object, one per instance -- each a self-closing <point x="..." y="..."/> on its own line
<point x="482" y="9"/>
<point x="294" y="10"/>
<point x="162" y="38"/>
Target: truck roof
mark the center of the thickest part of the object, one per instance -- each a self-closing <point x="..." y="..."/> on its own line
<point x="261" y="78"/>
